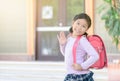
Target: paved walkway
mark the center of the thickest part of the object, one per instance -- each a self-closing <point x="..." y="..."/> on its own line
<point x="39" y="71"/>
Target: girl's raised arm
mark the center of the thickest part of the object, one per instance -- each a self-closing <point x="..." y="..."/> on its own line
<point x="62" y="38"/>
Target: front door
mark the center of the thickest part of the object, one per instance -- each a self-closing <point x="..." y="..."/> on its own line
<point x="52" y="17"/>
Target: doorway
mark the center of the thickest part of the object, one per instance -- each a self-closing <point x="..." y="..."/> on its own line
<point x="52" y="17"/>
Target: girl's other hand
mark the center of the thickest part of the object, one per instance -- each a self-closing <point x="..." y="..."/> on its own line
<point x="62" y="38"/>
<point x="77" y="67"/>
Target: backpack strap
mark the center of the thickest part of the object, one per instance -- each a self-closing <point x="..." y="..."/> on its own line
<point x="74" y="48"/>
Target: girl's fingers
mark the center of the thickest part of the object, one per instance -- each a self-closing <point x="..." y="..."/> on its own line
<point x="61" y="38"/>
<point x="62" y="34"/>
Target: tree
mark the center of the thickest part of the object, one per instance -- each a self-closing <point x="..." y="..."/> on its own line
<point x="111" y="16"/>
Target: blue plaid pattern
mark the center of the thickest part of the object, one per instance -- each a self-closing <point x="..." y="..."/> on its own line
<point x="81" y="77"/>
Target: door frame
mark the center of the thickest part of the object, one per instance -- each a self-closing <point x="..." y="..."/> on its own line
<point x="31" y="24"/>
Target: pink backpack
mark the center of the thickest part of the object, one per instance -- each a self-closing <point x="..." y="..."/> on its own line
<point x="98" y="44"/>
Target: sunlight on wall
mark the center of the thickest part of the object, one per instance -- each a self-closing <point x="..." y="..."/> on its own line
<point x="13" y="29"/>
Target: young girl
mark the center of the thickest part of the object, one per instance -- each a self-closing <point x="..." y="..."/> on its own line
<point x="79" y="71"/>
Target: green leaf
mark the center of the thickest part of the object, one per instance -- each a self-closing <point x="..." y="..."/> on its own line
<point x="101" y="8"/>
<point x="116" y="40"/>
<point x="116" y="27"/>
<point x="108" y="1"/>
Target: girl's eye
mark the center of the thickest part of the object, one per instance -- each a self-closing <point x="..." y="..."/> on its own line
<point x="81" y="25"/>
<point x="84" y="26"/>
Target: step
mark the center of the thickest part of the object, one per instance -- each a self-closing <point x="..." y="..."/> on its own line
<point x="39" y="71"/>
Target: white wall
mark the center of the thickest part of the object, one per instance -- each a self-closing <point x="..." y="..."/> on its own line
<point x="13" y="28"/>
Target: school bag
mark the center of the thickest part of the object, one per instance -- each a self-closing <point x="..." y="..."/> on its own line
<point x="98" y="44"/>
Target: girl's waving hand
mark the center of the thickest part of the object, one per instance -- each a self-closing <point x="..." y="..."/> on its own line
<point x="62" y="38"/>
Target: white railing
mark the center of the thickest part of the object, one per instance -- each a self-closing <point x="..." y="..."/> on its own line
<point x="53" y="28"/>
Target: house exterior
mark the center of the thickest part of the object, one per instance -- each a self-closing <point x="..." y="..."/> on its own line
<point x="28" y="28"/>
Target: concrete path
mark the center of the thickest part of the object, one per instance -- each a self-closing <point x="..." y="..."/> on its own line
<point x="39" y="71"/>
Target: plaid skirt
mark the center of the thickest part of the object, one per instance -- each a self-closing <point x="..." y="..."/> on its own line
<point x="81" y="77"/>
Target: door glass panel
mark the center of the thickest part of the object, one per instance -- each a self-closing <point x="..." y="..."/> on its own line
<point x="49" y="43"/>
<point x="74" y="7"/>
<point x="49" y="13"/>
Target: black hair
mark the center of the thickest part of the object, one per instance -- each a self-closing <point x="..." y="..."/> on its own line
<point x="81" y="16"/>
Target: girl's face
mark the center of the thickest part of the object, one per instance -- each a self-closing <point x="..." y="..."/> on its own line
<point x="79" y="27"/>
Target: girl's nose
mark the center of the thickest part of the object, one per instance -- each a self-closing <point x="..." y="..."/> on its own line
<point x="79" y="26"/>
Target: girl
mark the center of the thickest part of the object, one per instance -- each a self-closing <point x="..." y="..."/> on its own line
<point x="79" y="71"/>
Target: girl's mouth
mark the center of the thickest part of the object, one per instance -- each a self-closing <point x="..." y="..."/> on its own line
<point x="77" y="31"/>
